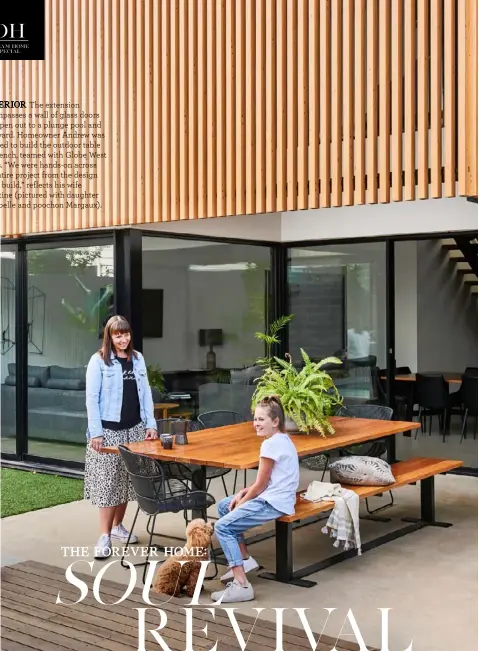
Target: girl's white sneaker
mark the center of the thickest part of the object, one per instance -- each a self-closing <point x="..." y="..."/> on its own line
<point x="234" y="592"/>
<point x="249" y="566"/>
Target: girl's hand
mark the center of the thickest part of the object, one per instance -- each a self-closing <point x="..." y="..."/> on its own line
<point x="97" y="443"/>
<point x="237" y="498"/>
<point x="151" y="434"/>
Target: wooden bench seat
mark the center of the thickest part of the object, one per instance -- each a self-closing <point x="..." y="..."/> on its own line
<point x="405" y="472"/>
<point x="419" y="469"/>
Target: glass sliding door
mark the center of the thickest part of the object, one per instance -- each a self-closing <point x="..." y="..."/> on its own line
<point x="70" y="294"/>
<point x="202" y="304"/>
<point x="8" y="379"/>
<point x="337" y="294"/>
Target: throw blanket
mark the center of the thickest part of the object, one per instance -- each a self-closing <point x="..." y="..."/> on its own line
<point x="343" y="523"/>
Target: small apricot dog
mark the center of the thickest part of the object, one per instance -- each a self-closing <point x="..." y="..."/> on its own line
<point x="171" y="577"/>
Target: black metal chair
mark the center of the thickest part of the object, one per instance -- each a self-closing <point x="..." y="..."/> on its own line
<point x="400" y="401"/>
<point x="220" y="418"/>
<point x="457" y="397"/>
<point x="469" y="401"/>
<point x="161" y="487"/>
<point x="166" y="425"/>
<point x="375" y="449"/>
<point x="433" y="399"/>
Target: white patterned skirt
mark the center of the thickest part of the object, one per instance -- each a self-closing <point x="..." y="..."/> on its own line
<point x="106" y="480"/>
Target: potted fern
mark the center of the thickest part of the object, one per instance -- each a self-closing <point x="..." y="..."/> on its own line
<point x="309" y="396"/>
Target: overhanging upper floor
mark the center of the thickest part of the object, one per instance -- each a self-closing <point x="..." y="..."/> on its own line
<point x="223" y="108"/>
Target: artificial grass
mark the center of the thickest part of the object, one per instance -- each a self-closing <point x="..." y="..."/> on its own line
<point x="24" y="491"/>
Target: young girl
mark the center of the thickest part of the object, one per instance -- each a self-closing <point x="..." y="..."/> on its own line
<point x="272" y="495"/>
<point x="120" y="410"/>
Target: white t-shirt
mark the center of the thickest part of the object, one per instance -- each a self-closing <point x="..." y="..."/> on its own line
<point x="284" y="480"/>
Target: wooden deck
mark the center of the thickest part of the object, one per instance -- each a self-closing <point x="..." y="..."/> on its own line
<point x="32" y="620"/>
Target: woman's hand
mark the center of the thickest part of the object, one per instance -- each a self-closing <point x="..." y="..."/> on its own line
<point x="237" y="498"/>
<point x="97" y="443"/>
<point x="151" y="434"/>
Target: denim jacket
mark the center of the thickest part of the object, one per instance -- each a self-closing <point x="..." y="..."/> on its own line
<point x="104" y="393"/>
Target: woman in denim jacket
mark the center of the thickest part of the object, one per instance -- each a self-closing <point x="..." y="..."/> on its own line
<point x="120" y="410"/>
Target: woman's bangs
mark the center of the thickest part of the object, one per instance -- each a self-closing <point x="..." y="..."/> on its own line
<point x="119" y="329"/>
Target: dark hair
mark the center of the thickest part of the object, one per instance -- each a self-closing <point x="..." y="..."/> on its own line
<point x="115" y="325"/>
<point x="275" y="409"/>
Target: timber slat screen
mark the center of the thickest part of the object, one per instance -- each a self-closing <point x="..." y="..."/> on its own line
<point x="221" y="107"/>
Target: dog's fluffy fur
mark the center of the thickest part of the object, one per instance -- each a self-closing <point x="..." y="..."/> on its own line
<point x="171" y="577"/>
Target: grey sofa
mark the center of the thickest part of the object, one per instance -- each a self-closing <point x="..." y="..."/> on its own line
<point x="56" y="403"/>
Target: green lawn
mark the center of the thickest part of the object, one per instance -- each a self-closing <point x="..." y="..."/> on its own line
<point x="24" y="491"/>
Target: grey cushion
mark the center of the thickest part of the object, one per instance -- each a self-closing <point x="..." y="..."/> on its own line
<point x="361" y="471"/>
<point x="11" y="380"/>
<point x="63" y="373"/>
<point x="41" y="372"/>
<point x="71" y="384"/>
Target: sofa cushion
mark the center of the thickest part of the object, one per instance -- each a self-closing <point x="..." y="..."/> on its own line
<point x="361" y="471"/>
<point x="41" y="372"/>
<point x="71" y="384"/>
<point x="63" y="373"/>
<point x="11" y="381"/>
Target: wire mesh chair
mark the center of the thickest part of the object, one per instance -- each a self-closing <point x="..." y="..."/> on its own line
<point x="374" y="412"/>
<point x="166" y="426"/>
<point x="375" y="449"/>
<point x="220" y="418"/>
<point x="161" y="487"/>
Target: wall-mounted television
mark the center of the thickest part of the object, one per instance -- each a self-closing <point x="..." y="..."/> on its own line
<point x="152" y="313"/>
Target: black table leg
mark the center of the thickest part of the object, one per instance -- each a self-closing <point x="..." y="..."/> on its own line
<point x="391" y="449"/>
<point x="428" y="506"/>
<point x="199" y="484"/>
<point x="284" y="558"/>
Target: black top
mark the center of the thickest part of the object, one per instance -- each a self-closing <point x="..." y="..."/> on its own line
<point x="130" y="408"/>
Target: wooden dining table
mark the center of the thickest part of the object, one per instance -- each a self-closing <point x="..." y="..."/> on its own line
<point x="451" y="378"/>
<point x="238" y="446"/>
<point x="408" y="390"/>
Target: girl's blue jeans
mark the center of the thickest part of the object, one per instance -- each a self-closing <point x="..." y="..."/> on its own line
<point x="231" y="525"/>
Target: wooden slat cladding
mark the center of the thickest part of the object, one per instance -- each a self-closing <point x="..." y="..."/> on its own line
<point x="226" y="107"/>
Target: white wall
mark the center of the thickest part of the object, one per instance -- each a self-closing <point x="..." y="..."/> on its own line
<point x="401" y="218"/>
<point x="259" y="227"/>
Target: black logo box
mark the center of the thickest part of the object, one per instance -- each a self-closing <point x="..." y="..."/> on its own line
<point x="22" y="31"/>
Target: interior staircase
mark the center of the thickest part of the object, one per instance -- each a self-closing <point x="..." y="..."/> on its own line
<point x="462" y="252"/>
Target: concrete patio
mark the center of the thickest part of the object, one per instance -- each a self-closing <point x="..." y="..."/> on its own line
<point x="428" y="579"/>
